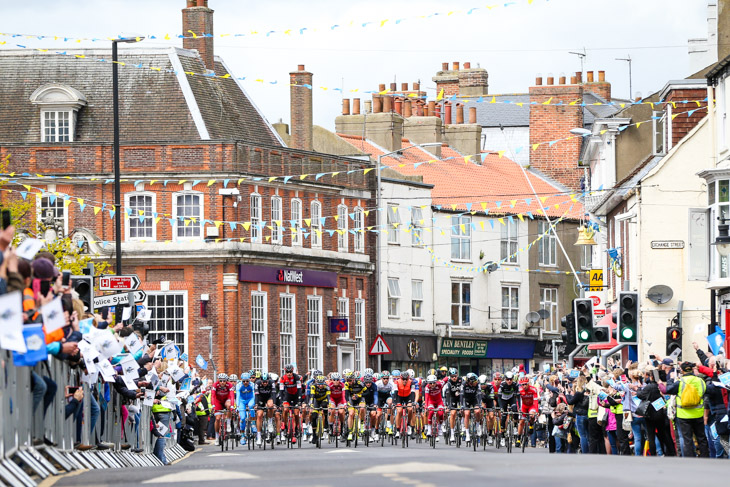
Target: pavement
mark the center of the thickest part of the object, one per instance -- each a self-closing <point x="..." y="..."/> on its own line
<point x="415" y="466"/>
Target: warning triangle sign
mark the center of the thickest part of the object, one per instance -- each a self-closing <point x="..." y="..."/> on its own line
<point x="379" y="346"/>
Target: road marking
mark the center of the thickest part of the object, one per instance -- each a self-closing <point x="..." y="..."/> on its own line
<point x="342" y="450"/>
<point x="225" y="455"/>
<point x="410" y="467"/>
<point x="200" y="476"/>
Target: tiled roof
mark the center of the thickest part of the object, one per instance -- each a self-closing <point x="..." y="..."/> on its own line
<point x="498" y="181"/>
<point x="153" y="106"/>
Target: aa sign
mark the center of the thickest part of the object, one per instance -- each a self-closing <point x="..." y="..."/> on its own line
<point x="596" y="281"/>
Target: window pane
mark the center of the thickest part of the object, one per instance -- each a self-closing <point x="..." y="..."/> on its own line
<point x="466" y="293"/>
<point x="723" y="190"/>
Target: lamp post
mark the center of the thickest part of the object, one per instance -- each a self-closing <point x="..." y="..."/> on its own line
<point x="115" y="149"/>
<point x="722" y="241"/>
<point x="379" y="219"/>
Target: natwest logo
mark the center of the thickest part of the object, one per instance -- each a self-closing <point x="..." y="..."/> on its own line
<point x="290" y="276"/>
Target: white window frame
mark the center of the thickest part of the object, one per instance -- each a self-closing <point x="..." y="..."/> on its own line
<point x="184" y="318"/>
<point x="417" y="223"/>
<point x="314" y="337"/>
<point x="342" y="228"/>
<point x="315" y="225"/>
<point x="359" y="224"/>
<point x="255" y="212"/>
<point x="128" y="219"/>
<point x="511" y="324"/>
<point x="276" y="216"/>
<point x="393" y="220"/>
<point x="459" y="238"/>
<point x="394" y="296"/>
<point x="296" y="234"/>
<point x="343" y="307"/>
<point x="549" y="302"/>
<point x="547" y="246"/>
<point x="510" y="240"/>
<point x="417" y="299"/>
<point x="181" y="224"/>
<point x="54" y="138"/>
<point x="264" y="362"/>
<point x="659" y="129"/>
<point x="287" y="317"/>
<point x="359" y="326"/>
<point x="461" y="304"/>
<point x="586" y="257"/>
<point x="58" y="204"/>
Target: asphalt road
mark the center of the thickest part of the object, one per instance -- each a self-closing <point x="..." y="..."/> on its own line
<point x="416" y="466"/>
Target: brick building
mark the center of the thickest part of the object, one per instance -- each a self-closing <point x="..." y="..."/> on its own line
<point x="225" y="225"/>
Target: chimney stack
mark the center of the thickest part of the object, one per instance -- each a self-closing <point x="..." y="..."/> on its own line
<point x="601" y="87"/>
<point x="302" y="122"/>
<point x="198" y="18"/>
<point x="387" y="103"/>
<point x="407" y="109"/>
<point x="356" y="106"/>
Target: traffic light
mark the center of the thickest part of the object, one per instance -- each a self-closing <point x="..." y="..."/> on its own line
<point x="84" y="286"/>
<point x="674" y="339"/>
<point x="586" y="331"/>
<point x="628" y="317"/>
<point x="568" y="336"/>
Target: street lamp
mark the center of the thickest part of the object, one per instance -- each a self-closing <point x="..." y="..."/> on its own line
<point x="722" y="241"/>
<point x="117" y="180"/>
<point x="379" y="218"/>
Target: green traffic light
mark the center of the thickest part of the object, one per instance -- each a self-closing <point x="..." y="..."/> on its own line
<point x="627" y="333"/>
<point x="584" y="335"/>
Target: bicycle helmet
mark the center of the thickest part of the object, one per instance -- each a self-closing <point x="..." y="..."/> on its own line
<point x="245" y="376"/>
<point x="376" y="376"/>
<point x="346" y="372"/>
<point x="335" y="376"/>
<point x="367" y="378"/>
<point x="443" y="368"/>
<point x="222" y="377"/>
<point x="385" y="374"/>
<point x="482" y="379"/>
<point x="453" y="371"/>
<point x="289" y="368"/>
<point x="252" y="373"/>
<point x="524" y="381"/>
<point x="356" y="375"/>
<point x="509" y="375"/>
<point x="257" y="374"/>
<point x="431" y="379"/>
<point x="405" y="375"/>
<point x="471" y="377"/>
<point x="274" y="377"/>
<point x="233" y="378"/>
<point x="316" y="373"/>
<point x="264" y="376"/>
<point x="411" y="373"/>
<point x="431" y="372"/>
<point x="369" y="371"/>
<point x="320" y="379"/>
<point x="395" y="373"/>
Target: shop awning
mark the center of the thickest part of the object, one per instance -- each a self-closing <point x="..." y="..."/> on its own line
<point x="519" y="349"/>
<point x="607" y="320"/>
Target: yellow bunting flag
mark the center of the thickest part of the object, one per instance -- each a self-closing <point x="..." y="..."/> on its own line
<point x="440" y="95"/>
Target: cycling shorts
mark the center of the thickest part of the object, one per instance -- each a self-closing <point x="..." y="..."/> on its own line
<point x="452" y="402"/>
<point x="290" y="399"/>
<point x="488" y="402"/>
<point x="383" y="399"/>
<point x="529" y="409"/>
<point x="338" y="401"/>
<point x="471" y="402"/>
<point x="319" y="403"/>
<point x="403" y="400"/>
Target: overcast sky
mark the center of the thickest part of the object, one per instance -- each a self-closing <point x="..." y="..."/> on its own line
<point x="512" y="42"/>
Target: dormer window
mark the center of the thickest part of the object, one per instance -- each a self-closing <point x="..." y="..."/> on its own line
<point x="59" y="105"/>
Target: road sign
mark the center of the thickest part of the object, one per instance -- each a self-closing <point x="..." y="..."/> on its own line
<point x="119" y="283"/>
<point x="118" y="299"/>
<point x="596" y="282"/>
<point x="379" y="346"/>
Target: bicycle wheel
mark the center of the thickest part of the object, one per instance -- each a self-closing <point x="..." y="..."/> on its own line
<point x="473" y="434"/>
<point x="510" y="435"/>
<point x="524" y="439"/>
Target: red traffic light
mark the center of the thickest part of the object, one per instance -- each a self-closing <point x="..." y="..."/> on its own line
<point x="674" y="334"/>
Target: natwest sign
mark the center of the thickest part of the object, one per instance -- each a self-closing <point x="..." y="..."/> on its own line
<point x="278" y="275"/>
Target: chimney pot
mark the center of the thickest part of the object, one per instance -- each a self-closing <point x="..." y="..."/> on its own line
<point x="456" y="66"/>
<point x="602" y="76"/>
<point x="377" y="103"/>
<point x="472" y="115"/>
<point x="346" y="106"/>
<point x="356" y="106"/>
<point x="368" y="106"/>
<point x="393" y="87"/>
<point x="447" y="113"/>
<point x="573" y="80"/>
<point x="431" y="109"/>
<point x="550" y="79"/>
<point x="404" y="86"/>
<point x="420" y="109"/>
<point x="467" y="65"/>
<point x="407" y="109"/>
<point x="202" y="3"/>
<point x="538" y="80"/>
<point x="444" y="66"/>
<point x="590" y="76"/>
<point x="416" y="86"/>
<point x="579" y="76"/>
<point x="191" y="3"/>
<point x="387" y="103"/>
<point x="381" y="87"/>
<point x="561" y="80"/>
<point x="398" y="106"/>
<point x="459" y="114"/>
<point x="300" y="67"/>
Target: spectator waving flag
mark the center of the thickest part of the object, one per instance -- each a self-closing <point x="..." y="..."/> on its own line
<point x="201" y="362"/>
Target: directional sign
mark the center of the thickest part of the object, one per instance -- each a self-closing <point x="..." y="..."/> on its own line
<point x="118" y="299"/>
<point x="119" y="283"/>
<point x="379" y="347"/>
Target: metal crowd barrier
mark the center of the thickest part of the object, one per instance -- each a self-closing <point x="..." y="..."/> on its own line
<point x="25" y="463"/>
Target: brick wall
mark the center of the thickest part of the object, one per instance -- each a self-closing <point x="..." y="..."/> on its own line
<point x="683" y="124"/>
<point x="200" y="21"/>
<point x="549" y="122"/>
<point x="301" y="109"/>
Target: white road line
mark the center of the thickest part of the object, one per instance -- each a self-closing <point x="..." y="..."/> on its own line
<point x="200" y="476"/>
<point x="410" y="467"/>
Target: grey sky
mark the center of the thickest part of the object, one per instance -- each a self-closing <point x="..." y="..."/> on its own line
<point x="513" y="43"/>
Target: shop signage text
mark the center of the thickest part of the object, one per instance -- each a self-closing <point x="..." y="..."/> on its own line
<point x="455" y="347"/>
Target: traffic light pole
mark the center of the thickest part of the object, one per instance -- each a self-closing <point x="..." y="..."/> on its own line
<point x="608" y="353"/>
<point x="572" y="355"/>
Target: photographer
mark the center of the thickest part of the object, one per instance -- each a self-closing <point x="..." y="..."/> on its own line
<point x="657" y="423"/>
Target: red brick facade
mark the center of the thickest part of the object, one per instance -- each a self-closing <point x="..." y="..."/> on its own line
<point x="682" y="125"/>
<point x="198" y="19"/>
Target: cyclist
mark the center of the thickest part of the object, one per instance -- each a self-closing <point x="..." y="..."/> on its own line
<point x="487" y="395"/>
<point x="404" y="395"/>
<point x="529" y="398"/>
<point x="290" y="389"/>
<point x="385" y="389"/>
<point x="452" y="396"/>
<point x="369" y="395"/>
<point x="470" y="400"/>
<point x="443" y="374"/>
<point x="337" y="401"/>
<point x="306" y="419"/>
<point x="319" y="395"/>
<point x="245" y="402"/>
<point x="267" y="398"/>
<point x="508" y="394"/>
<point x="434" y="400"/>
<point x="496" y="382"/>
<point x="419" y="411"/>
<point x="223" y="400"/>
<point x="354" y="389"/>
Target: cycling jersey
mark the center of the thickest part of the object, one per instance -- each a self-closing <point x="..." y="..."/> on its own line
<point x="245" y="396"/>
<point x="265" y="391"/>
<point x="529" y="397"/>
<point x="495" y="386"/>
<point x="319" y="396"/>
<point x="290" y="388"/>
<point x="433" y="394"/>
<point x="337" y="392"/>
<point x="487" y="392"/>
<point x="354" y="390"/>
<point x="507" y="390"/>
<point x="222" y="392"/>
<point x="404" y="388"/>
<point x="470" y="394"/>
<point x="384" y="391"/>
<point x="368" y="394"/>
<point x="452" y="392"/>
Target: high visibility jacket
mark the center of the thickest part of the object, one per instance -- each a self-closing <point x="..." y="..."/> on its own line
<point x="618" y="409"/>
<point x="691" y="412"/>
<point x="159" y="408"/>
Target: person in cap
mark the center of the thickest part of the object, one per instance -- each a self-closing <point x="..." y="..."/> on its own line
<point x="690" y="391"/>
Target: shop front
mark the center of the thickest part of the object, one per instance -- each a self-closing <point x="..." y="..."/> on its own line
<point x="509" y="354"/>
<point x="544" y="353"/>
<point x="465" y="355"/>
<point x="415" y="352"/>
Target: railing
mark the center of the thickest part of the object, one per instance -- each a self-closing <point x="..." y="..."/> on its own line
<point x="24" y="463"/>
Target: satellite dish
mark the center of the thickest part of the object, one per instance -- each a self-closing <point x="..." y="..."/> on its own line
<point x="533" y="317"/>
<point x="492" y="267"/>
<point x="544" y="314"/>
<point x="660" y="294"/>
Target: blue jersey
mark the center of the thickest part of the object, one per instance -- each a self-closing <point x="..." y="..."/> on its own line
<point x="308" y="387"/>
<point x="244" y="396"/>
